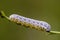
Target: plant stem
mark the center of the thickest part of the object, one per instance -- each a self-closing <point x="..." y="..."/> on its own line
<point x="54" y="32"/>
<point x="2" y="14"/>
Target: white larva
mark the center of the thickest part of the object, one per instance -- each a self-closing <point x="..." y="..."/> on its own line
<point x="39" y="25"/>
<point x="31" y="23"/>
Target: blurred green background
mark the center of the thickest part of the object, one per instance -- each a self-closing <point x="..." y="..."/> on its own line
<point x="46" y="10"/>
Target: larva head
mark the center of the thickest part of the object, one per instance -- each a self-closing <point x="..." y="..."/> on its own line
<point x="13" y="17"/>
<point x="46" y="26"/>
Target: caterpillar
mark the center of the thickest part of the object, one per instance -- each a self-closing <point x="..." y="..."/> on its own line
<point x="30" y="23"/>
<point x="39" y="25"/>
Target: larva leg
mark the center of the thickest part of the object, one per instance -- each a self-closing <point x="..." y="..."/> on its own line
<point x="39" y="28"/>
<point x="18" y="23"/>
<point x="26" y="25"/>
<point x="12" y="19"/>
<point x="33" y="27"/>
<point x="21" y="23"/>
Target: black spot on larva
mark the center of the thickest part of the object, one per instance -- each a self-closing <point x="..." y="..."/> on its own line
<point x="33" y="21"/>
<point x="45" y="25"/>
<point x="17" y="16"/>
<point x="37" y="22"/>
<point x="41" y="23"/>
<point x="24" y="19"/>
<point x="48" y="27"/>
<point x="43" y="28"/>
<point x="20" y="17"/>
<point x="29" y="20"/>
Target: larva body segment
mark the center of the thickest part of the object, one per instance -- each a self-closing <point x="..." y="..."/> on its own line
<point x="39" y="25"/>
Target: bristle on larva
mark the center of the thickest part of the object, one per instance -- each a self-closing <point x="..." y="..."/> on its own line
<point x="30" y="23"/>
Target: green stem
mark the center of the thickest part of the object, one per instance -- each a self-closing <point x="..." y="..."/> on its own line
<point x="54" y="32"/>
<point x="2" y="14"/>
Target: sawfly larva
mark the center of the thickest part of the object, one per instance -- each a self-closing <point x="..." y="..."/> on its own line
<point x="30" y="23"/>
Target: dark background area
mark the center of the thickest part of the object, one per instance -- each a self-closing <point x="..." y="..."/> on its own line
<point x="45" y="10"/>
